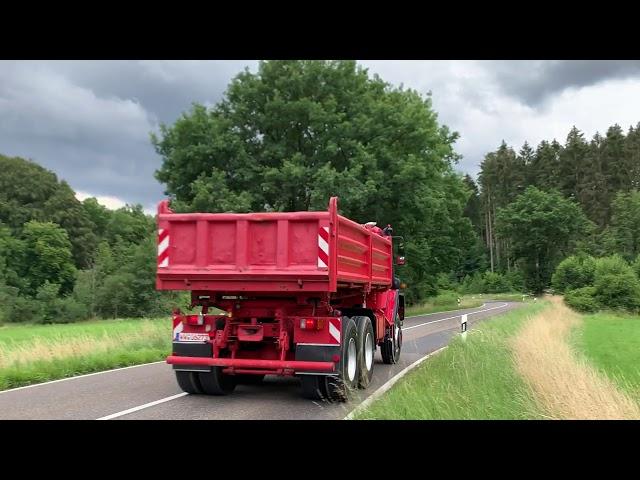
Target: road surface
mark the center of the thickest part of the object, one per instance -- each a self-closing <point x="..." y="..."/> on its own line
<point x="150" y="391"/>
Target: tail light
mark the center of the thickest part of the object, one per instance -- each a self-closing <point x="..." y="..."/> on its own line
<point x="312" y="323"/>
<point x="195" y="319"/>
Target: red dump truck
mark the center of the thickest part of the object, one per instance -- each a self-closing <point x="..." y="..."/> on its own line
<point x="310" y="294"/>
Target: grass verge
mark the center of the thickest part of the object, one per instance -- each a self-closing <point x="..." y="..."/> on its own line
<point x="38" y="353"/>
<point x="475" y="379"/>
<point x="610" y="342"/>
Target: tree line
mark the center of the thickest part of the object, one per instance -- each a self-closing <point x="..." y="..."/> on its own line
<point x="63" y="260"/>
<point x="538" y="206"/>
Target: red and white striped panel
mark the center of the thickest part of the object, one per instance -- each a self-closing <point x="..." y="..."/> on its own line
<point x="323" y="247"/>
<point x="334" y="329"/>
<point x="177" y="326"/>
<point x="163" y="247"/>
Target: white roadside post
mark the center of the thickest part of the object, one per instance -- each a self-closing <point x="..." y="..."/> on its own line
<point x="463" y="327"/>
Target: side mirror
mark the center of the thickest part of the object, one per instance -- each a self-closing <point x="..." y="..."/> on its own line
<point x="400" y="260"/>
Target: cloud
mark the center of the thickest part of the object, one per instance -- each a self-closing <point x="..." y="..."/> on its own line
<point x="470" y="97"/>
<point x="112" y="203"/>
<point x="89" y="121"/>
<point x="536" y="81"/>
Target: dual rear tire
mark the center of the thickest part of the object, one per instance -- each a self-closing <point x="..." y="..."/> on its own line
<point x="392" y="343"/>
<point x="214" y="382"/>
<point x="357" y="352"/>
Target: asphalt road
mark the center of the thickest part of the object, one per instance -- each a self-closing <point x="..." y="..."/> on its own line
<point x="150" y="391"/>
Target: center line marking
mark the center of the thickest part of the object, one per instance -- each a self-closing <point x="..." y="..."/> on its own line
<point x="456" y="316"/>
<point x="141" y="407"/>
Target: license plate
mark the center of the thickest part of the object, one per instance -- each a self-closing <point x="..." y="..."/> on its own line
<point x="193" y="337"/>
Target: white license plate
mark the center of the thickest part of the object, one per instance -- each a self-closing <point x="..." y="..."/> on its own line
<point x="193" y="337"/>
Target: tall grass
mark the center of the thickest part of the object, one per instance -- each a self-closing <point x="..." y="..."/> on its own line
<point x="472" y="379"/>
<point x="565" y="385"/>
<point x="32" y="354"/>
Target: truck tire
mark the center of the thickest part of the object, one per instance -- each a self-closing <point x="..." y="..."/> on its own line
<point x="248" y="379"/>
<point x="339" y="387"/>
<point x="314" y="387"/>
<point x="216" y="382"/>
<point x="189" y="382"/>
<point x="392" y="344"/>
<point x="366" y="351"/>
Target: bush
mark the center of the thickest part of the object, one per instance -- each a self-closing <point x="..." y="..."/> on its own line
<point x="446" y="297"/>
<point x="618" y="291"/>
<point x="582" y="299"/>
<point x="23" y="309"/>
<point x="445" y="282"/>
<point x="70" y="310"/>
<point x="614" y="265"/>
<point x="495" y="283"/>
<point x="515" y="280"/>
<point x="574" y="272"/>
<point x="473" y="283"/>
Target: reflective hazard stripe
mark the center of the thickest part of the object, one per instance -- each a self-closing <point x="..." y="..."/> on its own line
<point x="323" y="247"/>
<point x="163" y="247"/>
<point x="334" y="329"/>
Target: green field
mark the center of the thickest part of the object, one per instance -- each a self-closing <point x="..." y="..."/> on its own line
<point x="469" y="380"/>
<point x="611" y="342"/>
<point x="37" y="353"/>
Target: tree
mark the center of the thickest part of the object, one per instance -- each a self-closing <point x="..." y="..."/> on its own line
<point x="30" y="192"/>
<point x="295" y="133"/>
<point x="544" y="170"/>
<point x="128" y="224"/>
<point x="572" y="163"/>
<point x="625" y="224"/>
<point x="47" y="257"/>
<point x="541" y="227"/>
<point x="98" y="214"/>
<point x="473" y="208"/>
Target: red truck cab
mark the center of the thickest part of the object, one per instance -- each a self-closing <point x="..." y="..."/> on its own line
<point x="310" y="294"/>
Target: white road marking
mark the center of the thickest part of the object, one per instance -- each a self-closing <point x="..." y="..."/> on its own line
<point x="141" y="407"/>
<point x="436" y="313"/>
<point x="79" y="376"/>
<point x="455" y="316"/>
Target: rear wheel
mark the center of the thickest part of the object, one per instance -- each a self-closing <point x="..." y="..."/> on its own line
<point x="314" y="387"/>
<point x="189" y="382"/>
<point x="392" y="343"/>
<point x="340" y="386"/>
<point x="366" y="351"/>
<point x="248" y="379"/>
<point x="216" y="382"/>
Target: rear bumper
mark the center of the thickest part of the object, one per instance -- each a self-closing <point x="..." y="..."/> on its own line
<point x="243" y="363"/>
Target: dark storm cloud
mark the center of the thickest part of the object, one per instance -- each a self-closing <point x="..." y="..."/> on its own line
<point x="89" y="121"/>
<point x="536" y="81"/>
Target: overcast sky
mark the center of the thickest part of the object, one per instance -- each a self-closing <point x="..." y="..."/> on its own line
<point x="89" y="121"/>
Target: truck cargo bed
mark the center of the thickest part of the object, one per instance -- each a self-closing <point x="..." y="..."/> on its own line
<point x="269" y="252"/>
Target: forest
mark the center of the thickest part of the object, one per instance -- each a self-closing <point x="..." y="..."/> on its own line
<point x="287" y="137"/>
